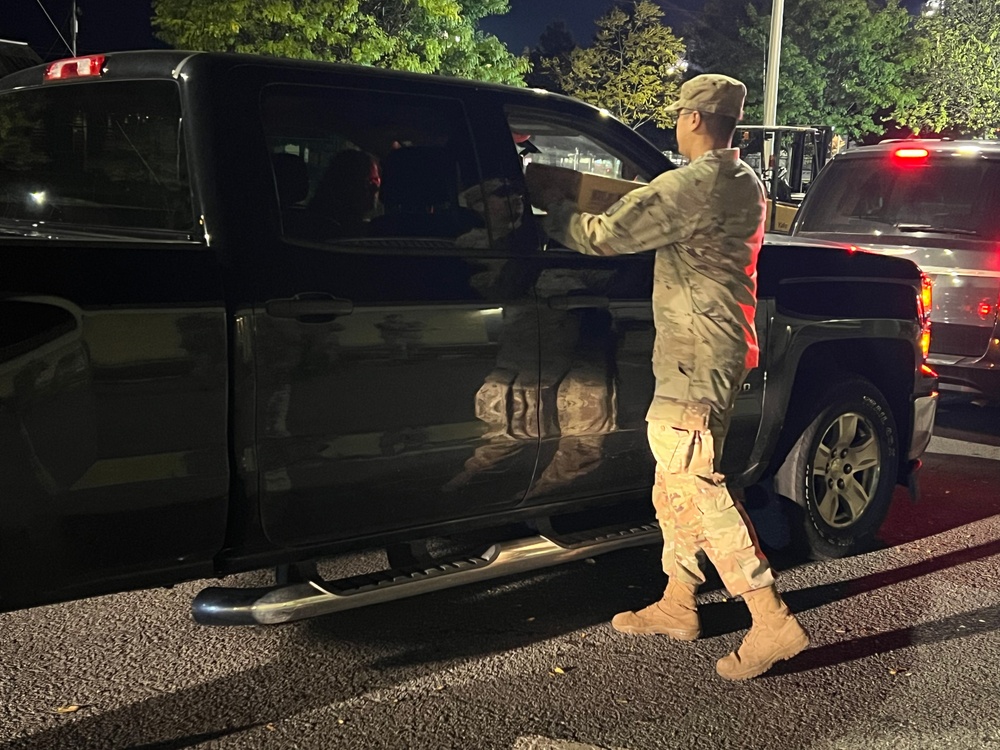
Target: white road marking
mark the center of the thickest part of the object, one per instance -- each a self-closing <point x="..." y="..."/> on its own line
<point x="954" y="447"/>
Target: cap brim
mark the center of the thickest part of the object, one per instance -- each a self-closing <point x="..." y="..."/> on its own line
<point x="675" y="107"/>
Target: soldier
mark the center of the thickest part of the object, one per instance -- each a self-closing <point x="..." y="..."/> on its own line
<point x="706" y="223"/>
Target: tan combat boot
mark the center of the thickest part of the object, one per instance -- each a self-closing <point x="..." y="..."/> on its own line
<point x="675" y="615"/>
<point x="775" y="635"/>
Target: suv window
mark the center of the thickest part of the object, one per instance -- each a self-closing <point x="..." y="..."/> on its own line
<point x="877" y="196"/>
<point x="97" y="157"/>
<point x="370" y="166"/>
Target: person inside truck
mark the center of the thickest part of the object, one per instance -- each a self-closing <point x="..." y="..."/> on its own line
<point x="420" y="194"/>
<point x="705" y="221"/>
<point x="346" y="197"/>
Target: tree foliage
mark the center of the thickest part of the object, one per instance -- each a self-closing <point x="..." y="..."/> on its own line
<point x="632" y="68"/>
<point x="843" y="63"/>
<point x="550" y="58"/>
<point x="958" y="83"/>
<point x="429" y="36"/>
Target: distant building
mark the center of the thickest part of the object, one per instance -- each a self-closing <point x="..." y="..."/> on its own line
<point x="15" y="56"/>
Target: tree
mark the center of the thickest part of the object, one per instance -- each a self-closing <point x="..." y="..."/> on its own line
<point x="959" y="90"/>
<point x="843" y="63"/>
<point x="428" y="36"/>
<point x="550" y="59"/>
<point x="632" y="69"/>
<point x="715" y="44"/>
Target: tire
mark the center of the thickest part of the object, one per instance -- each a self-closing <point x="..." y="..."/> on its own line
<point x="842" y="469"/>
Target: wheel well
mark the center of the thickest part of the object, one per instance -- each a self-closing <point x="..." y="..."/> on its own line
<point x="888" y="363"/>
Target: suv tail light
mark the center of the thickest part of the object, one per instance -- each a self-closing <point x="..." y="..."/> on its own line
<point x="909" y="155"/>
<point x="75" y="67"/>
<point x="925" y="302"/>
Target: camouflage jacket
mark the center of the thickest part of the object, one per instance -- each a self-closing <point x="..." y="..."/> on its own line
<point x="706" y="223"/>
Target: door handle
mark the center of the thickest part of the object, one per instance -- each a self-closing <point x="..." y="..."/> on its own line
<point x="578" y="302"/>
<point x="319" y="308"/>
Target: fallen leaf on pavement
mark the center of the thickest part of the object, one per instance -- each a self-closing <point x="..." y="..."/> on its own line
<point x="561" y="670"/>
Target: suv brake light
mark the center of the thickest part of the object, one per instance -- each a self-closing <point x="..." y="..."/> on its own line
<point x="909" y="154"/>
<point x="75" y="67"/>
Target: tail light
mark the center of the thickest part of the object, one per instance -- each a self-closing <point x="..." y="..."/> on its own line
<point x="910" y="155"/>
<point x="75" y="67"/>
<point x="925" y="303"/>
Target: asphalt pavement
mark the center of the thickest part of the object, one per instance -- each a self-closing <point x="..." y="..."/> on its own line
<point x="905" y="654"/>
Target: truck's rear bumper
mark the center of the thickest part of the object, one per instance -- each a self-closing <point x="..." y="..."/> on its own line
<point x="924" y="411"/>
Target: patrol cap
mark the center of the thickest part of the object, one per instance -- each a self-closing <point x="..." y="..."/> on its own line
<point x="711" y="92"/>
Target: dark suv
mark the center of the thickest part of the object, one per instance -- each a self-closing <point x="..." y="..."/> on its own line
<point x="936" y="203"/>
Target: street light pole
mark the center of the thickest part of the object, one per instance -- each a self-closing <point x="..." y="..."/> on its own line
<point x="771" y="74"/>
<point x="74" y="28"/>
<point x="773" y="63"/>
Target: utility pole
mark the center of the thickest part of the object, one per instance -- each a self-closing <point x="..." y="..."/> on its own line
<point x="74" y="28"/>
<point x="771" y="74"/>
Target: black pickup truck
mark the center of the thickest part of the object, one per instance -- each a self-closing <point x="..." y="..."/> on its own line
<point x="258" y="312"/>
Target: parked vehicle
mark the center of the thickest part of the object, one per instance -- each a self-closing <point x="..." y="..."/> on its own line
<point x="256" y="312"/>
<point x="933" y="202"/>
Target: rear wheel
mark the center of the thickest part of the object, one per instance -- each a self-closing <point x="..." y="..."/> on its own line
<point x="842" y="469"/>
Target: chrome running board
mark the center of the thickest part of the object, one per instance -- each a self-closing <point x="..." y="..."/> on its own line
<point x="287" y="603"/>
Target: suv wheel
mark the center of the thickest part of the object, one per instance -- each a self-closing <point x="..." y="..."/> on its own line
<point x="842" y="469"/>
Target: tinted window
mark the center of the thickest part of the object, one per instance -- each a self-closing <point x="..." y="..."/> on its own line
<point x="881" y="197"/>
<point x="373" y="167"/>
<point x="105" y="157"/>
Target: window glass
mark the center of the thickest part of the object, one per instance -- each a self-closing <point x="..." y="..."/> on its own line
<point x="879" y="197"/>
<point x="581" y="166"/>
<point x="372" y="167"/>
<point x="545" y="138"/>
<point x="104" y="157"/>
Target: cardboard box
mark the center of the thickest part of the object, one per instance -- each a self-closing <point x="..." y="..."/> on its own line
<point x="592" y="193"/>
<point x="782" y="220"/>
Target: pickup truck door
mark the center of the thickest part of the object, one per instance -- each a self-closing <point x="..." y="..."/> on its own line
<point x="113" y="356"/>
<point x="597" y="334"/>
<point x="396" y="356"/>
<point x="596" y="330"/>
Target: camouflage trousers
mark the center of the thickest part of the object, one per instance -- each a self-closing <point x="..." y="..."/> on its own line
<point x="696" y="512"/>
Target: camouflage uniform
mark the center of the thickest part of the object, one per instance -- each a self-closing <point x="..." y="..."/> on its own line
<point x="706" y="223"/>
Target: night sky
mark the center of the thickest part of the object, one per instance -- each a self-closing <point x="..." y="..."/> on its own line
<point x="109" y="25"/>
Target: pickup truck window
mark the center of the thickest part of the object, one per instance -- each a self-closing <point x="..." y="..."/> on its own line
<point x="372" y="167"/>
<point x="545" y="138"/>
<point x="583" y="164"/>
<point x="102" y="158"/>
